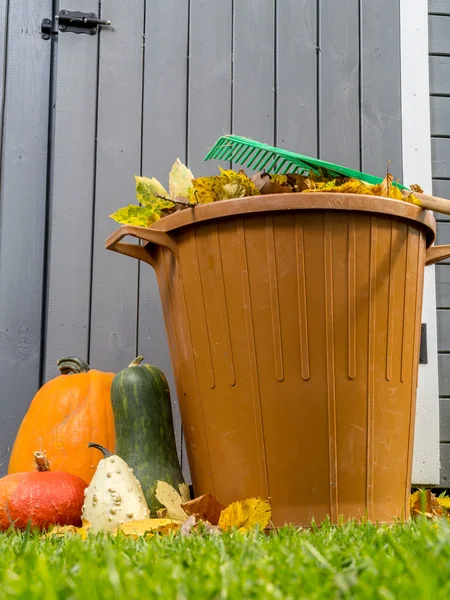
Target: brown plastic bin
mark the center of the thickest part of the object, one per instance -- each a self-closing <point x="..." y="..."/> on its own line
<point x="294" y="329"/>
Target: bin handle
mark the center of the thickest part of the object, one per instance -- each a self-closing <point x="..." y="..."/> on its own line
<point x="436" y="253"/>
<point x="153" y="237"/>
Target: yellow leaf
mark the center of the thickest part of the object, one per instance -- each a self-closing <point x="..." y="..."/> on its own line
<point x="424" y="502"/>
<point x="171" y="499"/>
<point x="444" y="502"/>
<point x="59" y="531"/>
<point x="142" y="527"/>
<point x="185" y="492"/>
<point x="180" y="180"/>
<point x="246" y="514"/>
<point x="229" y="184"/>
<point x="147" y="191"/>
<point x="143" y="216"/>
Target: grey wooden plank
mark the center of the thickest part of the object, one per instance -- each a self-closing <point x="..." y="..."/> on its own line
<point x="23" y="180"/>
<point x="113" y="339"/>
<point x="3" y="54"/>
<point x="339" y="112"/>
<point x="445" y="465"/>
<point x="442" y="286"/>
<point x="380" y="88"/>
<point x="438" y="34"/>
<point x="444" y="419"/>
<point x="443" y="236"/>
<point x="441" y="188"/>
<point x="439" y="6"/>
<point x="209" y="101"/>
<point x="69" y="279"/>
<point x="440" y="75"/>
<point x="440" y="115"/>
<point x="164" y="140"/>
<point x="253" y="70"/>
<point x="296" y="76"/>
<point x="444" y="375"/>
<point x="440" y="156"/>
<point x="443" y="322"/>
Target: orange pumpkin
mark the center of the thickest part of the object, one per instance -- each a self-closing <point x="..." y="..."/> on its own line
<point x="65" y="415"/>
<point x="41" y="498"/>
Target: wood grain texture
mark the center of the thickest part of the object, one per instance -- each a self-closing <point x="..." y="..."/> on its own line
<point x="443" y="320"/>
<point x="296" y="76"/>
<point x="440" y="152"/>
<point x="113" y="332"/>
<point x="380" y="88"/>
<point x="339" y="115"/>
<point x="23" y="192"/>
<point x="210" y="83"/>
<point x="439" y="6"/>
<point x="444" y="375"/>
<point x="444" y="413"/>
<point x="440" y="115"/>
<point x="443" y="286"/>
<point x="445" y="465"/>
<point x="440" y="75"/>
<point x="438" y="28"/>
<point x="163" y="140"/>
<point x="70" y="274"/>
<point x="253" y="70"/>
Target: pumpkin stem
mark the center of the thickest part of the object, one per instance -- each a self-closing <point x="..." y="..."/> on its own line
<point x="69" y="365"/>
<point x="136" y="361"/>
<point x="41" y="462"/>
<point x="106" y="453"/>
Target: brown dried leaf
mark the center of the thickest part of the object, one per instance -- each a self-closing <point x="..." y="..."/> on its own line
<point x="161" y="513"/>
<point x="204" y="507"/>
<point x="426" y="503"/>
<point x="416" y="188"/>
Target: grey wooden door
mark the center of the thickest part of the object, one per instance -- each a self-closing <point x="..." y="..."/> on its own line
<point x="165" y="81"/>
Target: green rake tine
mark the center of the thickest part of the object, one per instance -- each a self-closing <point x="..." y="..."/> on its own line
<point x="247" y="155"/>
<point x="238" y="157"/>
<point x="236" y="151"/>
<point x="288" y="166"/>
<point x="263" y="160"/>
<point x="269" y="156"/>
<point x="223" y="151"/>
<point x="250" y="164"/>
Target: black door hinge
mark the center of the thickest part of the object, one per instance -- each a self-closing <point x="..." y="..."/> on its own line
<point x="72" y="22"/>
<point x="423" y="352"/>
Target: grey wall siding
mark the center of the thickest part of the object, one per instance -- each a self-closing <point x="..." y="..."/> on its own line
<point x="439" y="48"/>
<point x="169" y="77"/>
<point x="24" y="101"/>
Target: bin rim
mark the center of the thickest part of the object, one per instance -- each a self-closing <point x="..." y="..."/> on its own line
<point x="295" y="201"/>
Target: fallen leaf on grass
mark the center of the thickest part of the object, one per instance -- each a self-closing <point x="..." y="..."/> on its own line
<point x="425" y="503"/>
<point x="185" y="492"/>
<point x="143" y="527"/>
<point x="444" y="502"/>
<point x="246" y="514"/>
<point x="204" y="507"/>
<point x="59" y="531"/>
<point x="187" y="526"/>
<point x="172" y="500"/>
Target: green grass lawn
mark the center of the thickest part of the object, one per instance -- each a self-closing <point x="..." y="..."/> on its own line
<point x="405" y="561"/>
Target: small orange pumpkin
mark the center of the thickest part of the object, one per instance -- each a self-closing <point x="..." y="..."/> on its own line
<point x="64" y="416"/>
<point x="41" y="498"/>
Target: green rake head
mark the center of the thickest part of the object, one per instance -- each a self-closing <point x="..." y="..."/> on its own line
<point x="258" y="156"/>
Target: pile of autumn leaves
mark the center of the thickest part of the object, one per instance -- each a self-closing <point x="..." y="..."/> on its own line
<point x="186" y="191"/>
<point x="203" y="515"/>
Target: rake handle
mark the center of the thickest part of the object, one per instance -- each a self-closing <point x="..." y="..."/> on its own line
<point x="434" y="203"/>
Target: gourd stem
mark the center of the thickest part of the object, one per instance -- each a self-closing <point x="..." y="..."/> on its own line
<point x="136" y="361"/>
<point x="41" y="462"/>
<point x="106" y="453"/>
<point x="69" y="365"/>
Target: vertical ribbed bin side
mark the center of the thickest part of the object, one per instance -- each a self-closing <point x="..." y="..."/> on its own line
<point x="295" y="337"/>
